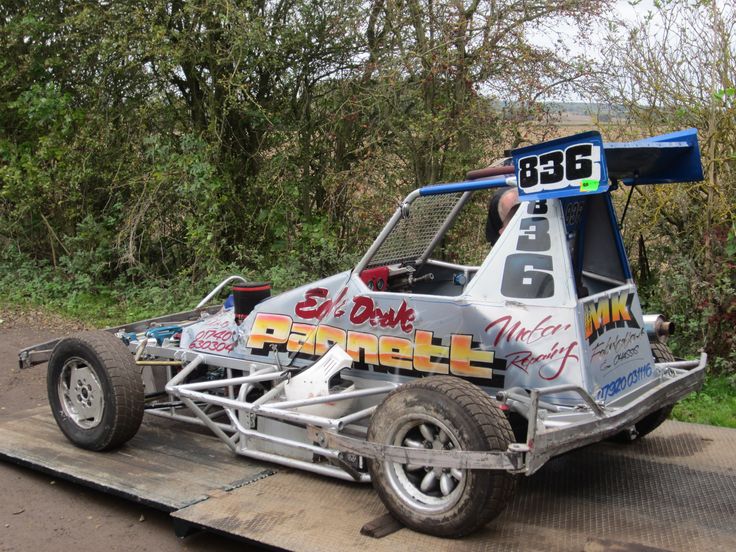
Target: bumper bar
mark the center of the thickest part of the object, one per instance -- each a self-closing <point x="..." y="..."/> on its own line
<point x="557" y="433"/>
<point x="549" y="433"/>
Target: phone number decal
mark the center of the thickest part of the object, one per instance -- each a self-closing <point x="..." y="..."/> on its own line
<point x="618" y="385"/>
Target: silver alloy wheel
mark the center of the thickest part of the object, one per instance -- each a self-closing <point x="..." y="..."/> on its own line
<point x="80" y="393"/>
<point x="425" y="488"/>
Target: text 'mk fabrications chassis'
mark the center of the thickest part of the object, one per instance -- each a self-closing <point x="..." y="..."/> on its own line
<point x="439" y="382"/>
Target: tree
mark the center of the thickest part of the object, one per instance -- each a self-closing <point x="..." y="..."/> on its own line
<point x="676" y="68"/>
<point x="438" y="70"/>
<point x="159" y="138"/>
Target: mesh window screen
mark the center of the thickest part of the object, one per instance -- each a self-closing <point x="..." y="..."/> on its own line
<point x="413" y="234"/>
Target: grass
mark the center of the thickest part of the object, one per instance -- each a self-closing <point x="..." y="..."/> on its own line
<point x="715" y="404"/>
<point x="105" y="308"/>
<point x="96" y="305"/>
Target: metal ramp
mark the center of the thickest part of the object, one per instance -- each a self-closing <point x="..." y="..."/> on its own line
<point x="166" y="466"/>
<point x="674" y="490"/>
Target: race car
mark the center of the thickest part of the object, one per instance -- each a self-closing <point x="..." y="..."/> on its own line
<point x="439" y="382"/>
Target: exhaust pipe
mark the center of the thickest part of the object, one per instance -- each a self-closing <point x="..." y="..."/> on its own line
<point x="657" y="328"/>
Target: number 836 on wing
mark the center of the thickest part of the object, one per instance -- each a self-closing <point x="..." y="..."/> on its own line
<point x="564" y="167"/>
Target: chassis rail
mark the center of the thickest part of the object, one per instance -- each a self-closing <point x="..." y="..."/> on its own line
<point x="542" y="442"/>
<point x="40" y="353"/>
<point x="551" y="431"/>
<point x="546" y="439"/>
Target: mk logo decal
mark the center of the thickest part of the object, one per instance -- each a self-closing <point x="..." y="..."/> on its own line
<point x="609" y="312"/>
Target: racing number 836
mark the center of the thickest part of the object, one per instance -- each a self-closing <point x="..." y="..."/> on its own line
<point x="527" y="274"/>
<point x="559" y="169"/>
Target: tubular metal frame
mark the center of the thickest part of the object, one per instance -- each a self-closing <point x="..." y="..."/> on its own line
<point x="552" y="430"/>
<point x="197" y="396"/>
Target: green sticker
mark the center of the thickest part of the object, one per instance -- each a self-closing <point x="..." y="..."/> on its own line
<point x="589" y="185"/>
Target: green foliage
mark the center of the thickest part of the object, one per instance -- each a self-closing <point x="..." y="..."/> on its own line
<point x="715" y="404"/>
<point x="157" y="140"/>
<point x="688" y="268"/>
<point x="74" y="294"/>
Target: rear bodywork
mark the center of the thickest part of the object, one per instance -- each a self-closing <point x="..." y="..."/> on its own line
<point x="550" y="324"/>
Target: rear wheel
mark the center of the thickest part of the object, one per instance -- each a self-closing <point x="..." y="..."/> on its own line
<point x="95" y="390"/>
<point x="652" y="421"/>
<point x="442" y="413"/>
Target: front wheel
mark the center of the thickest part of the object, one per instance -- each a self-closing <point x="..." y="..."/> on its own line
<point x="95" y="390"/>
<point x="443" y="413"/>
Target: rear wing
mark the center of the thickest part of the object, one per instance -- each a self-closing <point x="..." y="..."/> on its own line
<point x="583" y="164"/>
<point x="664" y="159"/>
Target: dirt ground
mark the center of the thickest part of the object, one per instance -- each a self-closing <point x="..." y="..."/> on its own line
<point x="38" y="513"/>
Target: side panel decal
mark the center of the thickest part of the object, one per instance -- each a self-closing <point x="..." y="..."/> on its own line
<point x="460" y="355"/>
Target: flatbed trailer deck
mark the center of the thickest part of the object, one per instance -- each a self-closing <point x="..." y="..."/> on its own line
<point x="674" y="490"/>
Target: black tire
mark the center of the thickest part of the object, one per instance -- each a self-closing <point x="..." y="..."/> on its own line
<point x="651" y="421"/>
<point x="95" y="390"/>
<point x="470" y="420"/>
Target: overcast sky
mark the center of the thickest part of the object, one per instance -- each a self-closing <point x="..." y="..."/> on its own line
<point x="589" y="43"/>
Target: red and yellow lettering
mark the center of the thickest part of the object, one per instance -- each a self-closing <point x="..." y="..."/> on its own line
<point x="301" y="338"/>
<point x="269" y="328"/>
<point x="597" y="315"/>
<point x="358" y="341"/>
<point x="424" y="353"/>
<point x="327" y="336"/>
<point x="619" y="308"/>
<point x="395" y="352"/>
<point x="424" y="350"/>
<point x="463" y="357"/>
